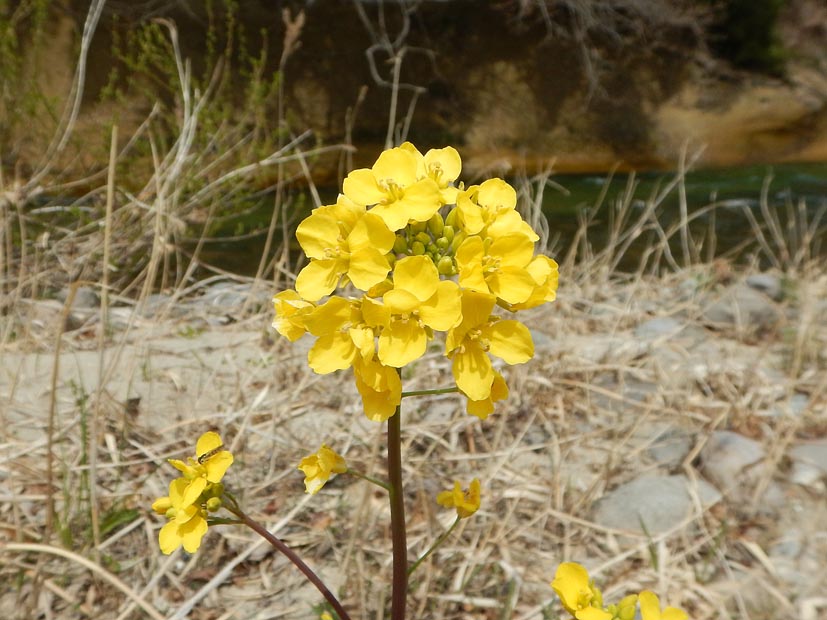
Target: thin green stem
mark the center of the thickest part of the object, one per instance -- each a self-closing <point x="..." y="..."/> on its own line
<point x="450" y="390"/>
<point x="397" y="500"/>
<point x="370" y="479"/>
<point x="292" y="556"/>
<point x="442" y="538"/>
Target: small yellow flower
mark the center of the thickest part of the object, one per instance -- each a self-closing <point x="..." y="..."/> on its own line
<point x="578" y="594"/>
<point x="393" y="188"/>
<point x="291" y="311"/>
<point x="441" y="165"/>
<point x="379" y="386"/>
<point x="485" y="407"/>
<point x="650" y="608"/>
<point x="318" y="467"/>
<point x="498" y="266"/>
<point x="418" y="303"/>
<point x="466" y="502"/>
<point x="208" y="467"/>
<point x="187" y="524"/>
<point x="479" y="333"/>
<point x="342" y="239"/>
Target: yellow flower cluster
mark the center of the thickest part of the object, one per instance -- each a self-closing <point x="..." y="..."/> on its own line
<point x="192" y="495"/>
<point x="429" y="256"/>
<point x="583" y="600"/>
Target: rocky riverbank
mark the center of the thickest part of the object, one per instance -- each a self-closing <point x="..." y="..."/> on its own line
<point x="669" y="434"/>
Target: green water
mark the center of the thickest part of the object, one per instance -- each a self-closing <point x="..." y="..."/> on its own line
<point x="570" y="197"/>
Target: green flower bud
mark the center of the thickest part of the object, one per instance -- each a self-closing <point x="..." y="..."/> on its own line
<point x="417" y="248"/>
<point x="170" y="513"/>
<point x="443" y="243"/>
<point x="418" y="227"/>
<point x="445" y="266"/>
<point x="451" y="219"/>
<point x="400" y="245"/>
<point x="423" y="237"/>
<point x="457" y="241"/>
<point x="448" y="233"/>
<point x="436" y="224"/>
<point x="217" y="489"/>
<point x="214" y="504"/>
<point x="391" y="259"/>
<point x="432" y="248"/>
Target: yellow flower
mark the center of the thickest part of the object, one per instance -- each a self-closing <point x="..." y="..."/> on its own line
<point x="380" y="388"/>
<point x="318" y="467"/>
<point x="497" y="266"/>
<point x="544" y="272"/>
<point x="342" y="335"/>
<point x="342" y="239"/>
<point x="291" y="310"/>
<point x="466" y="502"/>
<point x="418" y="303"/>
<point x="441" y="165"/>
<point x="188" y="522"/>
<point x="393" y="188"/>
<point x="485" y="407"/>
<point x="578" y="594"/>
<point x="479" y="333"/>
<point x="650" y="608"/>
<point x="207" y="468"/>
<point x="489" y="210"/>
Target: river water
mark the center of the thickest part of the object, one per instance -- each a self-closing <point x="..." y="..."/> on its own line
<point x="717" y="202"/>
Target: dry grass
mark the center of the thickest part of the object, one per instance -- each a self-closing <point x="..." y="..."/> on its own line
<point x="140" y="392"/>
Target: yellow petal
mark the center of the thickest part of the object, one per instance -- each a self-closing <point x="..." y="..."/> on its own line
<point x="207" y="442"/>
<point x="361" y="187"/>
<point x="483" y="408"/>
<point x="396" y="166"/>
<point x="570" y="581"/>
<point x="473" y="372"/>
<point x="508" y="222"/>
<point x="217" y="465"/>
<point x="496" y="194"/>
<point x="470" y="213"/>
<point x="401" y="343"/>
<point x="443" y="165"/>
<point x="363" y="340"/>
<point x="417" y="275"/>
<point x="331" y="352"/>
<point x="649" y="605"/>
<point x="368" y="267"/>
<point x="192" y="532"/>
<point x="513" y="250"/>
<point x="168" y="538"/>
<point x="318" y="232"/>
<point x="592" y="613"/>
<point x="329" y="317"/>
<point x="375" y="313"/>
<point x="444" y="309"/>
<point x="193" y="492"/>
<point x="513" y="285"/>
<point x="320" y="278"/>
<point x="371" y="232"/>
<point x="420" y="201"/>
<point x="510" y="341"/>
<point x="476" y="309"/>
